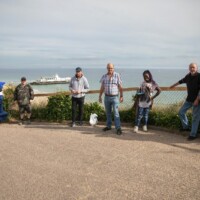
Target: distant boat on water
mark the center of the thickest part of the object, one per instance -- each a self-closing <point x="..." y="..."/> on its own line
<point x="51" y="80"/>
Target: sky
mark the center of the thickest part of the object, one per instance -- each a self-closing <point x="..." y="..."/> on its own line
<point x="92" y="33"/>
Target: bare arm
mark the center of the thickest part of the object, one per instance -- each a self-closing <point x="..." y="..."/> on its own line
<point x="121" y="93"/>
<point x="157" y="93"/>
<point x="100" y="93"/>
<point x="174" y="85"/>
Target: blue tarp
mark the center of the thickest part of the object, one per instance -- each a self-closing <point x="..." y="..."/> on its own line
<point x="3" y="114"/>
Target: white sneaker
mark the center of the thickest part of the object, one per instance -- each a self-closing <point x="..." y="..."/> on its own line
<point x="145" y="128"/>
<point x="135" y="129"/>
<point x="73" y="124"/>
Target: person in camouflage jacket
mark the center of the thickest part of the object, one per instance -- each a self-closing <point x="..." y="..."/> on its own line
<point x="23" y="94"/>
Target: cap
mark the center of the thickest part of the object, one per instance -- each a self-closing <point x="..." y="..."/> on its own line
<point x="1" y="84"/>
<point x="78" y="69"/>
<point x="23" y="78"/>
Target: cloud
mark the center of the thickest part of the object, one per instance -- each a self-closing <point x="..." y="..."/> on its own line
<point x="127" y="31"/>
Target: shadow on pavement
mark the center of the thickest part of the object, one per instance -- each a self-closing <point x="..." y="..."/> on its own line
<point x="159" y="136"/>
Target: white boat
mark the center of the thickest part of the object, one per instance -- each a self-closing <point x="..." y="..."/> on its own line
<point x="51" y="80"/>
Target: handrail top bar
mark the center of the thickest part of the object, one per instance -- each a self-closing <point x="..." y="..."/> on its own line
<point x="97" y="91"/>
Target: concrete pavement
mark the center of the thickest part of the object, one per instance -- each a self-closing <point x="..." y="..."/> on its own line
<point x="46" y="161"/>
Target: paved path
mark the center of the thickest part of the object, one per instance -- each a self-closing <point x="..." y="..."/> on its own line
<point x="55" y="162"/>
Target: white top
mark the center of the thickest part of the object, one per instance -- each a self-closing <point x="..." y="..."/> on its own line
<point x="148" y="89"/>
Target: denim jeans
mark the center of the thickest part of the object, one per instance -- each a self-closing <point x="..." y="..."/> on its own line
<point x="182" y="114"/>
<point x="80" y="103"/>
<point x="195" y="120"/>
<point x="112" y="102"/>
<point x="195" y="117"/>
<point x="142" y="112"/>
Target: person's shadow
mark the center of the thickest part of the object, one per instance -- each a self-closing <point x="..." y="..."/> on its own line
<point x="174" y="139"/>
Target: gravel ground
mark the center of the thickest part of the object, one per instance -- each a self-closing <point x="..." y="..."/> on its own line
<point x="45" y="161"/>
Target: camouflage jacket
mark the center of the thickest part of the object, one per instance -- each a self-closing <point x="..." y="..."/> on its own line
<point x="23" y="94"/>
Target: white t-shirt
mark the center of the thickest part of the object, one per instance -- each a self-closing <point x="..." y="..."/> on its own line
<point x="148" y="90"/>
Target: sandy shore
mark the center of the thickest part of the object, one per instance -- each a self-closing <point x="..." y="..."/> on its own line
<point x="55" y="162"/>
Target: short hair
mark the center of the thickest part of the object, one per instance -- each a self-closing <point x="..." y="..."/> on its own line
<point x="192" y="64"/>
<point x="23" y="78"/>
<point x="78" y="69"/>
<point x="110" y="64"/>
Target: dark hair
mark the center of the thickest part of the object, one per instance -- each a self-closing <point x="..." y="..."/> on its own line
<point x="78" y="69"/>
<point x="150" y="76"/>
<point x="23" y="78"/>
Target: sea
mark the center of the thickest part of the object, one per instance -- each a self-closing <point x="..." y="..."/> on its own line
<point x="131" y="77"/>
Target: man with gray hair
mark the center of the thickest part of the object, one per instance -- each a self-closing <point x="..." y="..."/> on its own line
<point x="111" y="85"/>
<point x="78" y="86"/>
<point x="192" y="81"/>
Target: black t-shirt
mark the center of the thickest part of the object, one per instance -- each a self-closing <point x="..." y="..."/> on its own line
<point x="193" y="86"/>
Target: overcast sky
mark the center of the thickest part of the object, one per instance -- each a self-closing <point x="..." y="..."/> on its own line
<point x="129" y="33"/>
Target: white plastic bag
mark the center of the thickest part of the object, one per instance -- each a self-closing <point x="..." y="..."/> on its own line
<point x="93" y="119"/>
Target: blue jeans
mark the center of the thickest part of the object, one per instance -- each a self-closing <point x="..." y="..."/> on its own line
<point x="195" y="120"/>
<point x="195" y="117"/>
<point x="112" y="102"/>
<point x="142" y="112"/>
<point x="182" y="114"/>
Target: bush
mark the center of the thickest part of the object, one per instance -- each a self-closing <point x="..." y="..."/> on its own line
<point x="39" y="113"/>
<point x="8" y="92"/>
<point x="167" y="117"/>
<point x="94" y="108"/>
<point x="163" y="119"/>
<point x="8" y="101"/>
<point x="127" y="115"/>
<point x="58" y="108"/>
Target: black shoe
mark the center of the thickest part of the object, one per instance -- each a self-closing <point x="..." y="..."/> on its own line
<point x="106" y="128"/>
<point x="119" y="131"/>
<point x="184" y="129"/>
<point x="28" y="121"/>
<point x="80" y="123"/>
<point x="191" y="138"/>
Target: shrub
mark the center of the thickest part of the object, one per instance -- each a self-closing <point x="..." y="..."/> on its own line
<point x="8" y="91"/>
<point x="167" y="117"/>
<point x="8" y="102"/>
<point x="127" y="115"/>
<point x="58" y="108"/>
<point x="94" y="108"/>
<point x="39" y="113"/>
